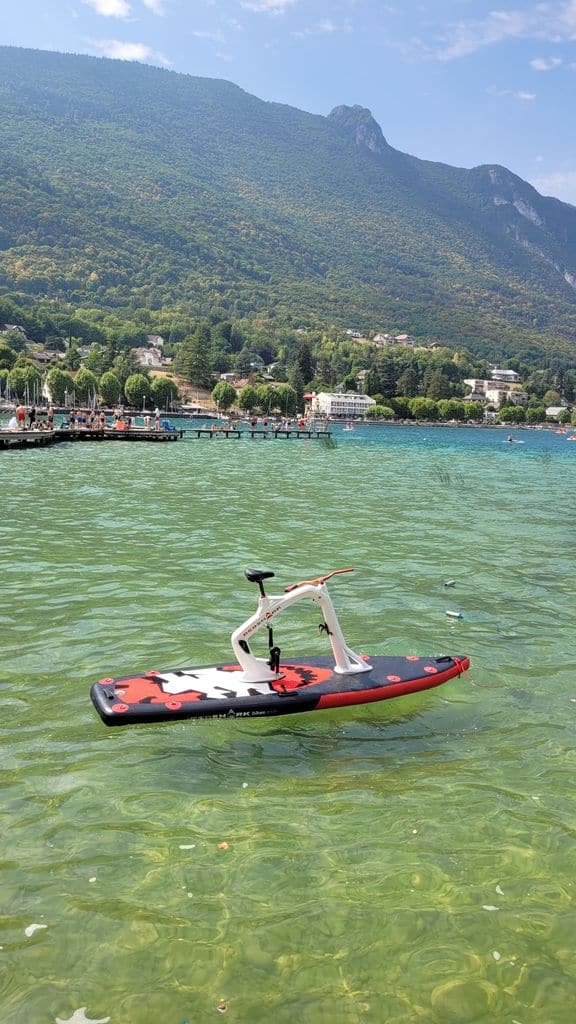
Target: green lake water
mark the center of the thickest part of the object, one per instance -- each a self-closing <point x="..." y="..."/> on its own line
<point x="408" y="862"/>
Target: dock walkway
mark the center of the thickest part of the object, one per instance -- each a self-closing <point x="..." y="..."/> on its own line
<point x="41" y="438"/>
<point x="252" y="432"/>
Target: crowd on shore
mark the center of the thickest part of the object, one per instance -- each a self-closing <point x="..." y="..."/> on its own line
<point x="32" y="418"/>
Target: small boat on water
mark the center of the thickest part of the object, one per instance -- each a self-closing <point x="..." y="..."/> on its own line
<point x="262" y="687"/>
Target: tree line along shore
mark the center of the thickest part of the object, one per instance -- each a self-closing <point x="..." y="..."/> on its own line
<point x="75" y="358"/>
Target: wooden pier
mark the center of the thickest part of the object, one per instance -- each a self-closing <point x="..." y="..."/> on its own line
<point x="113" y="434"/>
<point x="25" y="438"/>
<point x="253" y="432"/>
<point x="42" y="438"/>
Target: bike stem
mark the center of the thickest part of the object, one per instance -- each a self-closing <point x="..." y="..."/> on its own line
<point x="257" y="670"/>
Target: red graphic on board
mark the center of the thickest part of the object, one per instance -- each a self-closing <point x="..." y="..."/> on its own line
<point x="148" y="689"/>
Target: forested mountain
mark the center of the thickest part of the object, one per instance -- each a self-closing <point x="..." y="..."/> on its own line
<point x="128" y="186"/>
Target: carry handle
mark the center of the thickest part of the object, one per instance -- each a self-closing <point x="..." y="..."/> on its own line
<point x="318" y="581"/>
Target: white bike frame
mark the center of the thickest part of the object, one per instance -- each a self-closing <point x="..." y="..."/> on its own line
<point x="257" y="670"/>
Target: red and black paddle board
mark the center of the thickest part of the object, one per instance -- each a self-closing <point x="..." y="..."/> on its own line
<point x="307" y="685"/>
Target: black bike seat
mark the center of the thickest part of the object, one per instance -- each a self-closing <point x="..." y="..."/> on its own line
<point x="257" y="575"/>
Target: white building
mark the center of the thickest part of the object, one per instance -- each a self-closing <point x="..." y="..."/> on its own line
<point x="495" y="391"/>
<point x="502" y="396"/>
<point x="149" y="357"/>
<point x="509" y="376"/>
<point x="341" y="405"/>
<point x="478" y="384"/>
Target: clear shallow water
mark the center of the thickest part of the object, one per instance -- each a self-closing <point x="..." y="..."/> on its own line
<point x="411" y="861"/>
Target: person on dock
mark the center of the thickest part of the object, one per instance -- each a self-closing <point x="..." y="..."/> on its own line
<point x="32" y="417"/>
<point x="21" y="417"/>
<point x="72" y="419"/>
<point x="102" y="419"/>
<point x="156" y="418"/>
<point x="13" y="423"/>
<point x="50" y="418"/>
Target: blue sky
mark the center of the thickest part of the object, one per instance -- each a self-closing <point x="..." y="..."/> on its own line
<point x="461" y="81"/>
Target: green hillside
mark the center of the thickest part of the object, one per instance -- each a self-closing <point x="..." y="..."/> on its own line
<point x="127" y="186"/>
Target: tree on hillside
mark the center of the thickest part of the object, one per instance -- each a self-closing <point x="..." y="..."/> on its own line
<point x="401" y="406"/>
<point x="285" y="400"/>
<point x="25" y="382"/>
<point x="512" y="414"/>
<point x="474" y="411"/>
<point x="424" y="408"/>
<point x="323" y="371"/>
<point x="248" y="399"/>
<point x="379" y="412"/>
<point x="137" y="390"/>
<point x="297" y="384"/>
<point x="372" y="381"/>
<point x="96" y="360"/>
<point x="452" y="409"/>
<point x="7" y="356"/>
<point x="164" y="392"/>
<point x="350" y="382"/>
<point x="130" y="337"/>
<point x="14" y="339"/>
<point x="339" y="367"/>
<point x="60" y="386"/>
<point x="224" y="394"/>
<point x="560" y="382"/>
<point x="305" y="362"/>
<point x="85" y="386"/>
<point x="109" y="388"/>
<point x="125" y="366"/>
<point x="265" y="396"/>
<point x="387" y="375"/>
<point x="438" y="386"/>
<point x="193" y="359"/>
<point x="409" y="381"/>
<point x="73" y="356"/>
<point x="243" y="362"/>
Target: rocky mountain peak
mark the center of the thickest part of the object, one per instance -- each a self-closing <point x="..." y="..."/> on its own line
<point x="358" y="123"/>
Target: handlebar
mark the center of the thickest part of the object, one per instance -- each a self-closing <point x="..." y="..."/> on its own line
<point x="318" y="581"/>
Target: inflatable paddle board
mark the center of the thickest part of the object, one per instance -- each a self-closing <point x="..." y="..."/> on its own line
<point x="255" y="687"/>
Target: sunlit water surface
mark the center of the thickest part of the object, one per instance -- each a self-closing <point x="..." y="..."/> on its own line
<point x="403" y="862"/>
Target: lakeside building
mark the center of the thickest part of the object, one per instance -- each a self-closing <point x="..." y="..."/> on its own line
<point x="496" y="396"/>
<point x="554" y="411"/>
<point x="503" y="386"/>
<point x="339" y="404"/>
